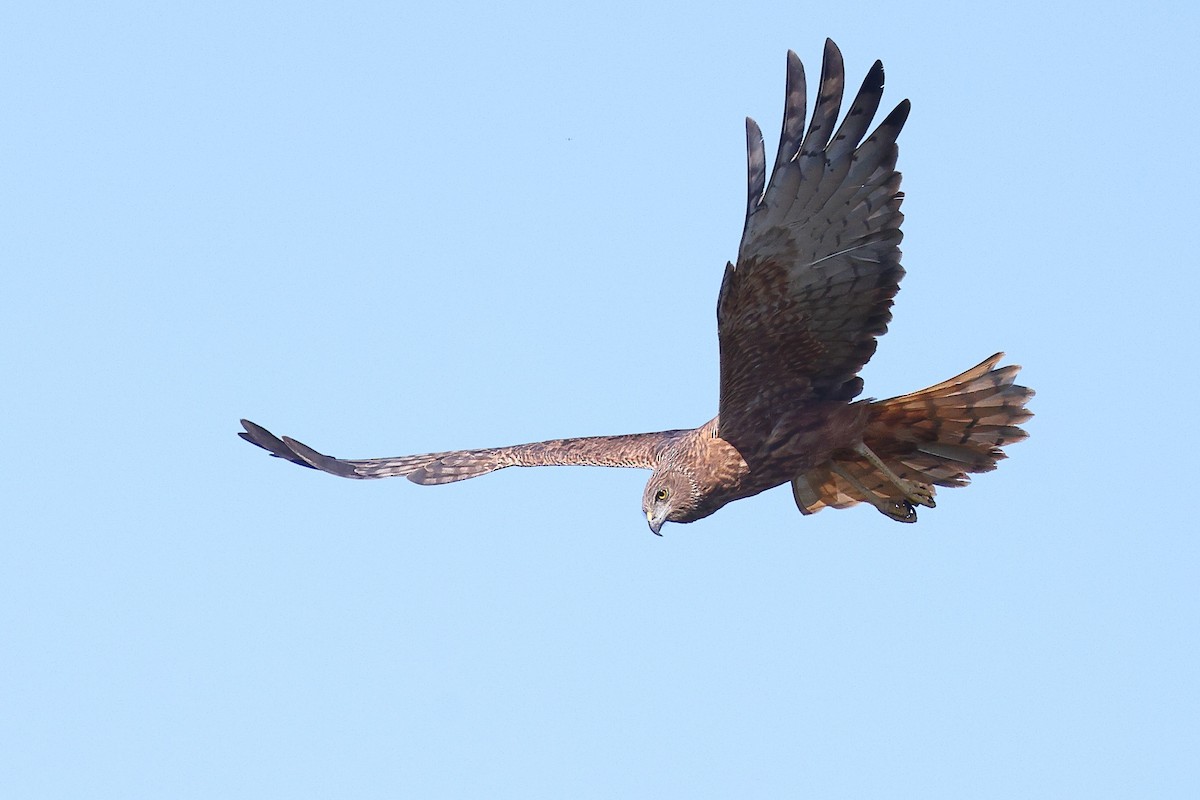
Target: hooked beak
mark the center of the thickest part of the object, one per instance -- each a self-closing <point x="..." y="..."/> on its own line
<point x="655" y="524"/>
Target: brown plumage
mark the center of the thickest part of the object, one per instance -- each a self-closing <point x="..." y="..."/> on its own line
<point x="798" y="316"/>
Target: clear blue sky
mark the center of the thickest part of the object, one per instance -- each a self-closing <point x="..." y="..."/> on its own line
<point x="387" y="230"/>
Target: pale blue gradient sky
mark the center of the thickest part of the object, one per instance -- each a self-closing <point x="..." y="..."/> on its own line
<point x="385" y="229"/>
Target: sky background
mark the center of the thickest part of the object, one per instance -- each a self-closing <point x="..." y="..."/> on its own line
<point x="385" y="229"/>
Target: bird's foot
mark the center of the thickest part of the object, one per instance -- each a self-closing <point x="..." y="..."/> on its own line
<point x="900" y="510"/>
<point x="915" y="492"/>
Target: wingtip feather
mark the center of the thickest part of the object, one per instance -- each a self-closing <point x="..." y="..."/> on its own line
<point x="319" y="460"/>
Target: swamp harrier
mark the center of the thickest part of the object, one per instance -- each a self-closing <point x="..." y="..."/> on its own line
<point x="797" y="317"/>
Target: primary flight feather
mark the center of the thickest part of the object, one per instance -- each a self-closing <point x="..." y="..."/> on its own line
<point x="798" y="316"/>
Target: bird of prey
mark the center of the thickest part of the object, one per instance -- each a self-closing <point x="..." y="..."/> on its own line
<point x="798" y="315"/>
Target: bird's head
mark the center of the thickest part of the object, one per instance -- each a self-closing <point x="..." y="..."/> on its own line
<point x="671" y="496"/>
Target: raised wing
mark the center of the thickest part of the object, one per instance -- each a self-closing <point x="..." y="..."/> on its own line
<point x="819" y="261"/>
<point x="639" y="450"/>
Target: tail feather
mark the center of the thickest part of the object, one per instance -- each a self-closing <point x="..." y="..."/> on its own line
<point x="821" y="487"/>
<point x="937" y="436"/>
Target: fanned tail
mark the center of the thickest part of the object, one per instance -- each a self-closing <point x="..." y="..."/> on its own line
<point x="935" y="436"/>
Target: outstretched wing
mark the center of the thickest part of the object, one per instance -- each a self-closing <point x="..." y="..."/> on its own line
<point x="426" y="468"/>
<point x="819" y="261"/>
<point x="638" y="450"/>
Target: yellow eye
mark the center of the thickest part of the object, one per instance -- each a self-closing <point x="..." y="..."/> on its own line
<point x="660" y="495"/>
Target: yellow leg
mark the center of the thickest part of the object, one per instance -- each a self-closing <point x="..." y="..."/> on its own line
<point x="918" y="493"/>
<point x="899" y="510"/>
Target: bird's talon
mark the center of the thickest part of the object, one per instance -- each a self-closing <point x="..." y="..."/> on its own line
<point x="919" y="493"/>
<point x="899" y="510"/>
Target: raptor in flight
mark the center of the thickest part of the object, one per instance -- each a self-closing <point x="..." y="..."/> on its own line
<point x="797" y="317"/>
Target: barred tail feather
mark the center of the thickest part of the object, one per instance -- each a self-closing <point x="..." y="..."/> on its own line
<point x="937" y="436"/>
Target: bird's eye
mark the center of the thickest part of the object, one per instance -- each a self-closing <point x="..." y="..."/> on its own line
<point x="661" y="494"/>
